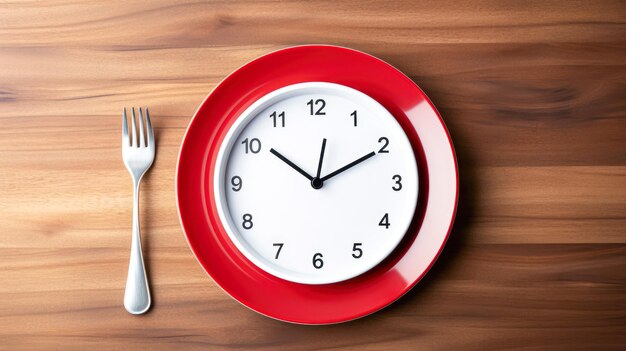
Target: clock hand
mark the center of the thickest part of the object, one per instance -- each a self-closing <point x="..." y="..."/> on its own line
<point x="293" y="165"/>
<point x="349" y="165"/>
<point x="319" y="165"/>
<point x="316" y="182"/>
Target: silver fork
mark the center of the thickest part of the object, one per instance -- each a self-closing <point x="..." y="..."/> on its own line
<point x="138" y="154"/>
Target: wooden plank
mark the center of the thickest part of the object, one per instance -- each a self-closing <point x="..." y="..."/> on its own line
<point x="532" y="93"/>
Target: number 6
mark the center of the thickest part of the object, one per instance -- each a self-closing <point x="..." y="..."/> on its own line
<point x="317" y="261"/>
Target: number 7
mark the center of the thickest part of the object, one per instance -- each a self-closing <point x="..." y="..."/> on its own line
<point x="280" y="247"/>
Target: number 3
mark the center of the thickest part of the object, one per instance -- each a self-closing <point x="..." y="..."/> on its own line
<point x="398" y="179"/>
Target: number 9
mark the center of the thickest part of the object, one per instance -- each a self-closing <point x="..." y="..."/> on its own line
<point x="236" y="182"/>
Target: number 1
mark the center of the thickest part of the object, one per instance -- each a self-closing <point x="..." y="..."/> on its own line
<point x="320" y="110"/>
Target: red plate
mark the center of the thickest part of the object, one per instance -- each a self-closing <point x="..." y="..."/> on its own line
<point x="330" y="303"/>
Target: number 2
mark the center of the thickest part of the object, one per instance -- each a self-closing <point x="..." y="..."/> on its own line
<point x="383" y="149"/>
<point x="320" y="110"/>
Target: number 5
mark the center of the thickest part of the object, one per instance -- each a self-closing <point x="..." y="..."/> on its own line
<point x="357" y="252"/>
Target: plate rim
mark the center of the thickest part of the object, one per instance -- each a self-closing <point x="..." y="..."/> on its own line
<point x="408" y="287"/>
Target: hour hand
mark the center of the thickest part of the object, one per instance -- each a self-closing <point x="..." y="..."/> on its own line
<point x="291" y="164"/>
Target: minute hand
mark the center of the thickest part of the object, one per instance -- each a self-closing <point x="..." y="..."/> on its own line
<point x="348" y="166"/>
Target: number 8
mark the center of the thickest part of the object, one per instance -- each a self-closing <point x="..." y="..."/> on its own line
<point x="247" y="221"/>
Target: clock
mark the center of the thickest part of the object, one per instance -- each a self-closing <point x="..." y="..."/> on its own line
<point x="316" y="184"/>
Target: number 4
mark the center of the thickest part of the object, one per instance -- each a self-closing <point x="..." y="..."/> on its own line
<point x="384" y="222"/>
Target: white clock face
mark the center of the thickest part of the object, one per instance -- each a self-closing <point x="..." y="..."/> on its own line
<point x="304" y="222"/>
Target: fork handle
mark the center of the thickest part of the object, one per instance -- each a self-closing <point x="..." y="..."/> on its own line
<point x="137" y="295"/>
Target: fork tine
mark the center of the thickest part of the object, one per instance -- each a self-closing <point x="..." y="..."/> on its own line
<point x="124" y="129"/>
<point x="142" y="139"/>
<point x="133" y="130"/>
<point x="149" y="129"/>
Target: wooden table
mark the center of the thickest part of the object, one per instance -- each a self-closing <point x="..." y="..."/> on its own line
<point x="533" y="94"/>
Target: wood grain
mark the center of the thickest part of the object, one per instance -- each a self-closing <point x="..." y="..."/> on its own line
<point x="533" y="95"/>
